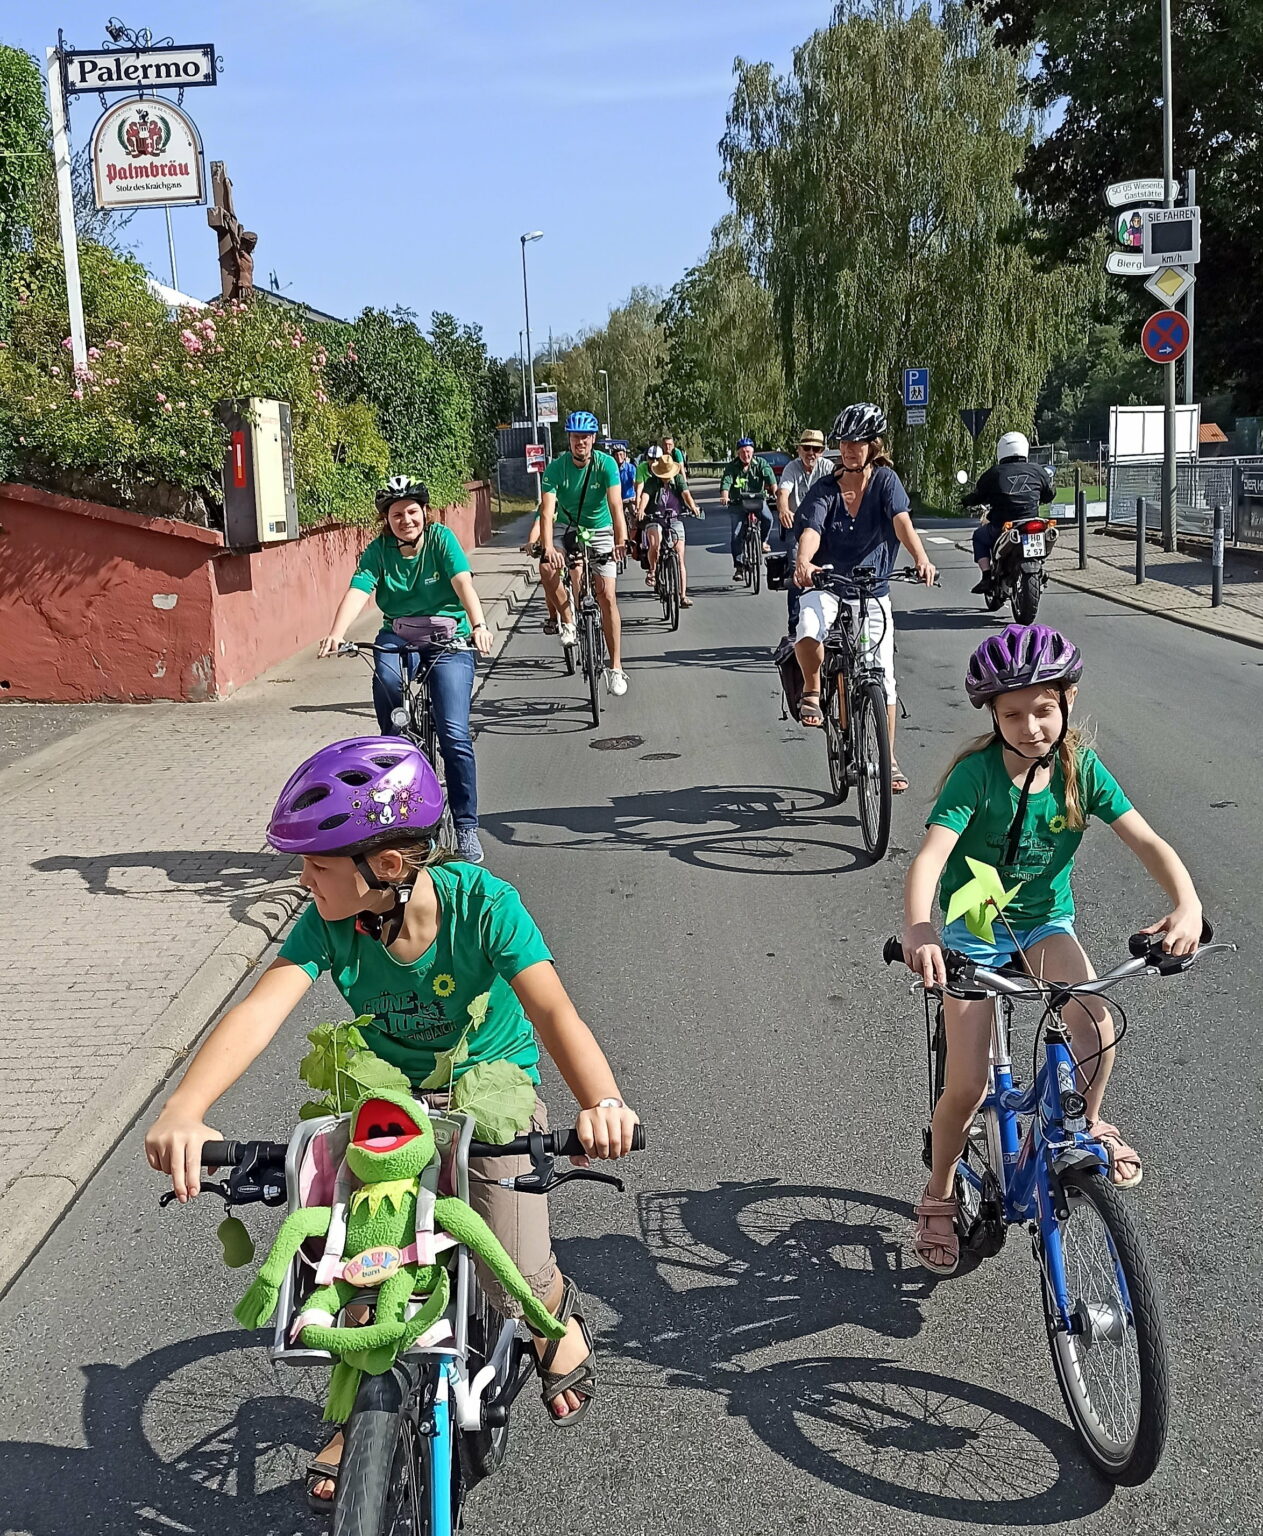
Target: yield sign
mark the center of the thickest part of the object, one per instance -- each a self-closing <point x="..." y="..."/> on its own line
<point x="976" y="419"/>
<point x="1165" y="335"/>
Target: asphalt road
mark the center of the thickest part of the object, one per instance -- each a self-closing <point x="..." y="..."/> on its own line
<point x="770" y="1359"/>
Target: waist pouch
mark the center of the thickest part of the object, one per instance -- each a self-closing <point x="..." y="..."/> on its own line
<point x="425" y="630"/>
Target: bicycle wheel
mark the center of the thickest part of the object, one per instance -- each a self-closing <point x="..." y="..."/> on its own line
<point x="570" y="654"/>
<point x="1113" y="1370"/>
<point x="592" y="663"/>
<point x="872" y="767"/>
<point x="483" y="1450"/>
<point x="669" y="569"/>
<point x="756" y="545"/>
<point x="835" y="738"/>
<point x="387" y="1467"/>
<point x="753" y="558"/>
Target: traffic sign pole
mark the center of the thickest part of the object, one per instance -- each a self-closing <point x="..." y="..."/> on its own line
<point x="1188" y="308"/>
<point x="1168" y="172"/>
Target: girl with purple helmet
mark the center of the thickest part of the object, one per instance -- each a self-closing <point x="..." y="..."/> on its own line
<point x="412" y="937"/>
<point x="1019" y="799"/>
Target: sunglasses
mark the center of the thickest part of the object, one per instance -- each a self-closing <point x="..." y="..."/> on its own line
<point x="809" y="448"/>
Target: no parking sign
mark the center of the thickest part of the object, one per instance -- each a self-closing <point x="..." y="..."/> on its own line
<point x="1165" y="336"/>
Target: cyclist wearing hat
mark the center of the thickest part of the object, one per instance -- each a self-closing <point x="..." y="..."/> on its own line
<point x="797" y="478"/>
<point x="660" y="507"/>
<point x="749" y="479"/>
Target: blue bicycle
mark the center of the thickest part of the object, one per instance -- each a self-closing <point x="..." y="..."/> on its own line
<point x="1028" y="1159"/>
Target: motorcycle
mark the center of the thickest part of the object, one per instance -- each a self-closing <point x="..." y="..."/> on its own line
<point x="1017" y="564"/>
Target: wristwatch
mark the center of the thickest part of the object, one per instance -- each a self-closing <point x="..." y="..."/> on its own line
<point x="610" y="1104"/>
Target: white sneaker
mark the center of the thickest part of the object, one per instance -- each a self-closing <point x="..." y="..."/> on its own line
<point x="568" y="635"/>
<point x="616" y="682"/>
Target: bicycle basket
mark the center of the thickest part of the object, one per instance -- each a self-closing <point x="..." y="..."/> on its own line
<point x="777" y="565"/>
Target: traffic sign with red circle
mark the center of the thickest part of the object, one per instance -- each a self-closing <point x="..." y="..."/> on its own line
<point x="1165" y="336"/>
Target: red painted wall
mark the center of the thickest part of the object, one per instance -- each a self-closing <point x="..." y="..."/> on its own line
<point x="102" y="604"/>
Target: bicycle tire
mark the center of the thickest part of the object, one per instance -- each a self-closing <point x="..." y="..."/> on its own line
<point x="753" y="559"/>
<point x="570" y="654"/>
<point x="1131" y="1460"/>
<point x="482" y="1451"/>
<point x="756" y="565"/>
<point x="386" y="1467"/>
<point x="671" y="590"/>
<point x="592" y="665"/>
<point x="835" y="739"/>
<point x="872" y="768"/>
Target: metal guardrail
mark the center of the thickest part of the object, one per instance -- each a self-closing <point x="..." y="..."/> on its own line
<point x="1236" y="485"/>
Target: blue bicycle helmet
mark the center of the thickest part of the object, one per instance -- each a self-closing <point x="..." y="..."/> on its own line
<point x="745" y="442"/>
<point x="582" y="421"/>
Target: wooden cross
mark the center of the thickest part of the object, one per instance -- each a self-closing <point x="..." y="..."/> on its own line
<point x="236" y="245"/>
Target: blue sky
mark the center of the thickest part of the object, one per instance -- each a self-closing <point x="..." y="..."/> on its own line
<point x="392" y="151"/>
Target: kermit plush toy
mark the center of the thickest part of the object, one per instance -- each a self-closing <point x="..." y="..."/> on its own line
<point x="384" y="1235"/>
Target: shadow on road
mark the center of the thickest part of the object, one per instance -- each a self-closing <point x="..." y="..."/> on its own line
<point x="527" y="716"/>
<point x="204" y="1437"/>
<point x="239" y="881"/>
<point x="744" y="829"/>
<point x="723" y="1274"/>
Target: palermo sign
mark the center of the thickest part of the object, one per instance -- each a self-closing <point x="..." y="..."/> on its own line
<point x="134" y="69"/>
<point x="146" y="154"/>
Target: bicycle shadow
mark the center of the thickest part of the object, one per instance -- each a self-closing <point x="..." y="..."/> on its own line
<point x="722" y="1276"/>
<point x="201" y="1437"/>
<point x="242" y="882"/>
<point x="743" y="829"/>
<point x="526" y="716"/>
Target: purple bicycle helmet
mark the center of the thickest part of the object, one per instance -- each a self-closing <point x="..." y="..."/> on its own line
<point x="1021" y="656"/>
<point x="355" y="794"/>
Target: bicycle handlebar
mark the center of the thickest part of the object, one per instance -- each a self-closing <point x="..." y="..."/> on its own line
<point x="360" y="647"/>
<point x="1148" y="956"/>
<point x="230" y="1154"/>
<point x="864" y="577"/>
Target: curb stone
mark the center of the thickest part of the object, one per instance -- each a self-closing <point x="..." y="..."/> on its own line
<point x="34" y="1204"/>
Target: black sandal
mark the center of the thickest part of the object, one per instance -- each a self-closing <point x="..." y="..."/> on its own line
<point x="322" y="1472"/>
<point x="582" y="1379"/>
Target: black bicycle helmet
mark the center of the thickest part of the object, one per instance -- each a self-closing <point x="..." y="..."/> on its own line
<point x="402" y="488"/>
<point x="860" y="423"/>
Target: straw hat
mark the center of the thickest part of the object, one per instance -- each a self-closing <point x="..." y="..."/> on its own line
<point x="811" y="438"/>
<point x="664" y="468"/>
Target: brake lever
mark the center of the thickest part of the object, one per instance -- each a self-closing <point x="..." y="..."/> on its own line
<point x="208" y="1188"/>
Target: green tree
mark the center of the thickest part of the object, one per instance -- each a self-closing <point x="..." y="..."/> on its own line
<point x="723" y="377"/>
<point x="1098" y="61"/>
<point x="25" y="163"/>
<point x="875" y="187"/>
<point x="630" y="347"/>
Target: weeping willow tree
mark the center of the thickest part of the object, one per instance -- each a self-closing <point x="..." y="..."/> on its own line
<point x="629" y="346"/>
<point x="723" y="377"/>
<point x="875" y="192"/>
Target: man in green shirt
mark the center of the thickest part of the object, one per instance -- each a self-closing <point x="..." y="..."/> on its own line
<point x="666" y="450"/>
<point x="746" y="482"/>
<point x="581" y="491"/>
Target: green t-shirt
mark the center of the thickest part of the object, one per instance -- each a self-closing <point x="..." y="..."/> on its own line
<point x="643" y="471"/>
<point x="486" y="937"/>
<point x="418" y="588"/>
<point x="748" y="484"/>
<point x="979" y="801"/>
<point x="565" y="479"/>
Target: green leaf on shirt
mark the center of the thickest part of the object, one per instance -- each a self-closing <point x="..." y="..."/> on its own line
<point x="445" y="1064"/>
<point x="477" y="1010"/>
<point x="500" y="1097"/>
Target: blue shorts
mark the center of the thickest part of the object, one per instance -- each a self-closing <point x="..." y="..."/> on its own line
<point x="958" y="937"/>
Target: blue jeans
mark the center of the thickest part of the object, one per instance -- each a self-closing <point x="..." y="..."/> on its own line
<point x="793" y="593"/>
<point x="739" y="528"/>
<point x="985" y="535"/>
<point x="451" y="685"/>
<point x="958" y="937"/>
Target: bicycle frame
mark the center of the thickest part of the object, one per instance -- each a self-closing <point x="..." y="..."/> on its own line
<point x="853" y="660"/>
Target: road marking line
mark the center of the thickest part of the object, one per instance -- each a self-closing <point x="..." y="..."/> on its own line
<point x="932" y="539"/>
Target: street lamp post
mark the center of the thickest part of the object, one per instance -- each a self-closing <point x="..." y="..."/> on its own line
<point x="521" y="357"/>
<point x="1168" y="369"/>
<point x="536" y="234"/>
<point x="609" y="429"/>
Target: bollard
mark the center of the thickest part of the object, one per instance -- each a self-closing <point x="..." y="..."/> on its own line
<point x="1217" y="560"/>
<point x="1081" y="507"/>
<point x="1140" y="541"/>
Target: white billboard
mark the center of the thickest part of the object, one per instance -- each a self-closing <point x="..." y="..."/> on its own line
<point x="1136" y="431"/>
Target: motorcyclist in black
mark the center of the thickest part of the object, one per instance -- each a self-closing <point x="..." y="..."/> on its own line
<point x="1013" y="488"/>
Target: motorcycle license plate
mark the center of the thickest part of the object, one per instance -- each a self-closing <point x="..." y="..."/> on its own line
<point x="1032" y="545"/>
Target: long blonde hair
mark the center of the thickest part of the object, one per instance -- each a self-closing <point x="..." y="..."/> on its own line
<point x="1072" y="745"/>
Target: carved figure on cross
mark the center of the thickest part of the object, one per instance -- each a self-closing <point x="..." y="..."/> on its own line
<point x="236" y="244"/>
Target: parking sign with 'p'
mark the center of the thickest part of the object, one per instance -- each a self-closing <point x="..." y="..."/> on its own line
<point x="916" y="386"/>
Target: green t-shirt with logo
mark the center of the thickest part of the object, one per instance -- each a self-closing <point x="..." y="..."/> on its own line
<point x="486" y="937"/>
<point x="979" y="801"/>
<point x="564" y="478"/>
<point x="748" y="484"/>
<point x="417" y="588"/>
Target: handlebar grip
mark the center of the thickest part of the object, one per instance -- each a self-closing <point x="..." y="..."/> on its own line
<point x="1142" y="944"/>
<point x="220" y="1154"/>
<point x="892" y="950"/>
<point x="567" y="1143"/>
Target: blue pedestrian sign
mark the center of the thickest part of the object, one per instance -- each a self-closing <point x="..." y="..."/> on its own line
<point x="916" y="386"/>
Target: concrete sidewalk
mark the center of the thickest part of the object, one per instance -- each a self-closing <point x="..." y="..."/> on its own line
<point x="1177" y="585"/>
<point x="141" y="893"/>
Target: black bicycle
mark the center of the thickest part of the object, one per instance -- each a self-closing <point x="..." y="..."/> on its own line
<point x="668" y="586"/>
<point x="853" y="703"/>
<point x="414" y="716"/>
<point x="752" y="551"/>
<point x="589" y="635"/>
<point x="425" y="1432"/>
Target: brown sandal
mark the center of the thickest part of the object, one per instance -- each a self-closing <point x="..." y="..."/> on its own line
<point x="1117" y="1150"/>
<point x="807" y="708"/>
<point x="582" y="1380"/>
<point x="925" y="1243"/>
